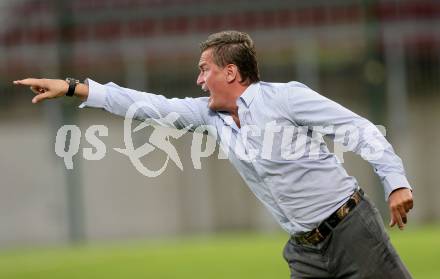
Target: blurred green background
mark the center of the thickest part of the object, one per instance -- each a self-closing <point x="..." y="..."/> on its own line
<point x="237" y="255"/>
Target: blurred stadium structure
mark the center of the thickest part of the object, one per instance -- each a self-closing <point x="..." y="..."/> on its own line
<point x="379" y="58"/>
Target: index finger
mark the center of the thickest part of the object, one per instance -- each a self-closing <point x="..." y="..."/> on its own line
<point x="398" y="218"/>
<point x="31" y="82"/>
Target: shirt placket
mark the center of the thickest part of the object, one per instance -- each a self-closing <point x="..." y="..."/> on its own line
<point x="246" y="119"/>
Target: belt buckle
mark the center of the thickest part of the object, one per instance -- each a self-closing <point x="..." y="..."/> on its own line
<point x="303" y="240"/>
<point x="313" y="237"/>
<point x="317" y="237"/>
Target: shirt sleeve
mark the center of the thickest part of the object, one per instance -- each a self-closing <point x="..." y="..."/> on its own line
<point x="308" y="108"/>
<point x="178" y="113"/>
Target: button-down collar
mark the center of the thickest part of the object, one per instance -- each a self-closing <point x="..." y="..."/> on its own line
<point x="249" y="94"/>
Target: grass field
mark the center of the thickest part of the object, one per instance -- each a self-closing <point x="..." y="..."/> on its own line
<point x="223" y="256"/>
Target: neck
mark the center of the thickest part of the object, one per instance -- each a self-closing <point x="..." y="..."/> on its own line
<point x="233" y="109"/>
<point x="235" y="92"/>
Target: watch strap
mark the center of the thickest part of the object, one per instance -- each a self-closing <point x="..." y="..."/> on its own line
<point x="72" y="85"/>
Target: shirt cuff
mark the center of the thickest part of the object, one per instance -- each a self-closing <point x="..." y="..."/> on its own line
<point x="393" y="182"/>
<point x="97" y="94"/>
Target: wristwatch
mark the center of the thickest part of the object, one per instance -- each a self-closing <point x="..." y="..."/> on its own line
<point x="72" y="85"/>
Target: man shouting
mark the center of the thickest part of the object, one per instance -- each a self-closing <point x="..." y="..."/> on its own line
<point x="334" y="229"/>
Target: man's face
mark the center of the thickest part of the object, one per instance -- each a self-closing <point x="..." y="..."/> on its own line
<point x="212" y="79"/>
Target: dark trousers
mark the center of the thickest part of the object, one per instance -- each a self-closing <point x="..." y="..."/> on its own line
<point x="358" y="247"/>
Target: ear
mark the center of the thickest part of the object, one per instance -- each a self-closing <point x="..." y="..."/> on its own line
<point x="231" y="71"/>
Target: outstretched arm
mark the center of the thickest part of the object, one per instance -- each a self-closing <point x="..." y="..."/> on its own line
<point x="52" y="88"/>
<point x="186" y="113"/>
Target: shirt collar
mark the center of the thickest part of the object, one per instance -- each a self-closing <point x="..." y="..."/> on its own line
<point x="227" y="119"/>
<point x="248" y="95"/>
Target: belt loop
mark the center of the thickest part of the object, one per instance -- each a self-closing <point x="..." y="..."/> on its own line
<point x="328" y="226"/>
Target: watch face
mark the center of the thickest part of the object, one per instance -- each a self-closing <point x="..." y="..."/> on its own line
<point x="72" y="81"/>
<point x="72" y="84"/>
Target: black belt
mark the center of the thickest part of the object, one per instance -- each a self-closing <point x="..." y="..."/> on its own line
<point x="320" y="233"/>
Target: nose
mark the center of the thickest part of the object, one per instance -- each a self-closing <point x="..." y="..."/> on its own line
<point x="200" y="79"/>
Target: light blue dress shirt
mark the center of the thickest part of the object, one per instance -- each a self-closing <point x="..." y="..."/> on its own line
<point x="300" y="190"/>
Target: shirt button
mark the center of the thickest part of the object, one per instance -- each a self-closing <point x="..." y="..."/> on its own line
<point x="229" y="120"/>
